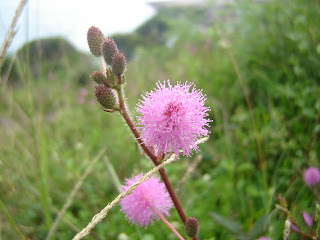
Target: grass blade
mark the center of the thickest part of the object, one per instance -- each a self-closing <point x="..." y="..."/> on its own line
<point x="12" y="222"/>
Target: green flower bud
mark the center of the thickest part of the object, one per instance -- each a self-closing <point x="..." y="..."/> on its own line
<point x="95" y="39"/>
<point x="98" y="77"/>
<point x="106" y="97"/>
<point x="109" y="48"/>
<point x="118" y="64"/>
<point x="191" y="227"/>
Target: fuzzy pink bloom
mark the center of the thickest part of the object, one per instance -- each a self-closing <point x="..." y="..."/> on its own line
<point x="264" y="238"/>
<point x="312" y="176"/>
<point x="173" y="118"/>
<point x="140" y="204"/>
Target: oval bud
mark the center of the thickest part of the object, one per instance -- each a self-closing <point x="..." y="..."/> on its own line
<point x="98" y="77"/>
<point x="118" y="64"/>
<point x="191" y="227"/>
<point x="95" y="39"/>
<point x="109" y="48"/>
<point x="106" y="97"/>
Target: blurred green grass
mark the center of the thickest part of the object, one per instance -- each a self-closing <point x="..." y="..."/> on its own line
<point x="51" y="129"/>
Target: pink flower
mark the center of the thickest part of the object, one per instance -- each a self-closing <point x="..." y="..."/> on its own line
<point x="173" y="118"/>
<point x="307" y="219"/>
<point x="139" y="207"/>
<point x="83" y="92"/>
<point x="312" y="176"/>
<point x="81" y="97"/>
<point x="294" y="228"/>
<point x="264" y="238"/>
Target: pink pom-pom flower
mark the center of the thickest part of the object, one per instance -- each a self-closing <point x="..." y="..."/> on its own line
<point x="263" y="238"/>
<point x="149" y="199"/>
<point x="312" y="176"/>
<point x="173" y="118"/>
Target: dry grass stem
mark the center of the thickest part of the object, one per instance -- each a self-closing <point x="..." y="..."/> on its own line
<point x="202" y="140"/>
<point x="246" y="95"/>
<point x="103" y="213"/>
<point x="72" y="194"/>
<point x="189" y="171"/>
<point x="10" y="33"/>
<point x="113" y="173"/>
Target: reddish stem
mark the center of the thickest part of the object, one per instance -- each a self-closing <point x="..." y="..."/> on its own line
<point x="154" y="159"/>
<point x="168" y="225"/>
<point x="151" y="155"/>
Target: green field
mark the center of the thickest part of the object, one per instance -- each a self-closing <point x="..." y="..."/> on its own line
<point x="259" y="66"/>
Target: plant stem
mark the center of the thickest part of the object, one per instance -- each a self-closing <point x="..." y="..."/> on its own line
<point x="292" y="220"/>
<point x="103" y="65"/>
<point x="151" y="155"/>
<point x="175" y="232"/>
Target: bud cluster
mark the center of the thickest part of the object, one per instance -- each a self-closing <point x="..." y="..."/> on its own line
<point x="149" y="200"/>
<point x="106" y="47"/>
<point x="111" y="78"/>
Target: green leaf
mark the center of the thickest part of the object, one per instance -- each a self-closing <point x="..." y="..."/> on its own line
<point x="258" y="227"/>
<point x="231" y="226"/>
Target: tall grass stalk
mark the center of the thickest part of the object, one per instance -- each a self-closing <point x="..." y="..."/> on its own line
<point x="245" y="92"/>
<point x="188" y="172"/>
<point x="113" y="173"/>
<point x="12" y="222"/>
<point x="10" y="33"/>
<point x="41" y="145"/>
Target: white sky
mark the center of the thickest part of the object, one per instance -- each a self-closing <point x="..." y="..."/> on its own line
<point x="72" y="18"/>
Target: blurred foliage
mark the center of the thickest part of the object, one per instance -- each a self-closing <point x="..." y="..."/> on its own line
<point x="268" y="51"/>
<point x="154" y="32"/>
<point x="127" y="43"/>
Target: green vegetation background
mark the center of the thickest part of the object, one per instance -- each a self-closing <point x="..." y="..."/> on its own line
<point x="258" y="63"/>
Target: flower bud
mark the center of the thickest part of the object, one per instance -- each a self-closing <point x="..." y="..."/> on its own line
<point x="109" y="48"/>
<point x="118" y="63"/>
<point x="95" y="39"/>
<point x="106" y="97"/>
<point x="191" y="227"/>
<point x="98" y="77"/>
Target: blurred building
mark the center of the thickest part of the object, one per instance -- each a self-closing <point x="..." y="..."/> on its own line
<point x="211" y="6"/>
<point x="160" y="4"/>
